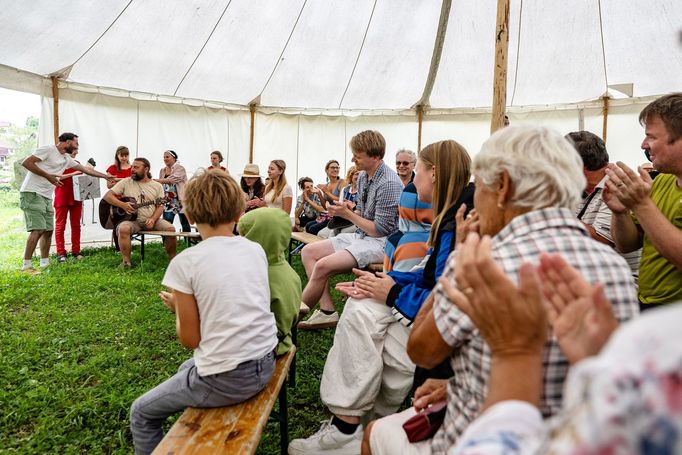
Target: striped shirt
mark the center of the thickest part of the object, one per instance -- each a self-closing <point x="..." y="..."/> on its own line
<point x="378" y="199"/>
<point x="550" y="230"/>
<point x="592" y="210"/>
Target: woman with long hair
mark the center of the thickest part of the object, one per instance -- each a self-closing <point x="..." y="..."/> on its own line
<point x="277" y="193"/>
<point x="121" y="167"/>
<point x="332" y="189"/>
<point x="368" y="367"/>
<point x="173" y="178"/>
<point x="252" y="186"/>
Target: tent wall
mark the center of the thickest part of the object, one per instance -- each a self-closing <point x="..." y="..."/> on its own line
<point x="305" y="142"/>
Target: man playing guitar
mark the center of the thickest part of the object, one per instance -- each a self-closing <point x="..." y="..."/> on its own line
<point x="143" y="189"/>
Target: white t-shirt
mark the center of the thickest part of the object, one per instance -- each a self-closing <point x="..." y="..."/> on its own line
<point x="228" y="277"/>
<point x="278" y="202"/>
<point x="52" y="162"/>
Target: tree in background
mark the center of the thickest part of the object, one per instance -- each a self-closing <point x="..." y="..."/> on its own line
<point x="23" y="140"/>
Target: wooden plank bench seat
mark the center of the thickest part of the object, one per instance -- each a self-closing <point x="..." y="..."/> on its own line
<point x="190" y="237"/>
<point x="233" y="429"/>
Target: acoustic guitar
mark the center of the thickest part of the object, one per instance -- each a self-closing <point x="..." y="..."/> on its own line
<point x="110" y="216"/>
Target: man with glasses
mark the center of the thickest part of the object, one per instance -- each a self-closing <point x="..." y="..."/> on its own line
<point x="376" y="216"/>
<point x="405" y="160"/>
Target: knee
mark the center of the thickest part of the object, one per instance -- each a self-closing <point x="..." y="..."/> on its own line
<point x="124" y="231"/>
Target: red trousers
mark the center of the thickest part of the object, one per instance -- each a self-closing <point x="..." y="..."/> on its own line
<point x="74" y="213"/>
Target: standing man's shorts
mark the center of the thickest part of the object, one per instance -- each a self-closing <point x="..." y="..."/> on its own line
<point x="38" y="211"/>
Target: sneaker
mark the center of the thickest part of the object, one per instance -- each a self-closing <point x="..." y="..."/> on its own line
<point x="61" y="258"/>
<point x="319" y="320"/>
<point x="77" y="257"/>
<point x="30" y="271"/>
<point x="330" y="440"/>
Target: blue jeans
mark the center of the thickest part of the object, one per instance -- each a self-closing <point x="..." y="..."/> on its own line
<point x="184" y="222"/>
<point x="187" y="388"/>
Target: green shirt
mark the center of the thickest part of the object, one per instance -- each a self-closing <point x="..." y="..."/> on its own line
<point x="659" y="280"/>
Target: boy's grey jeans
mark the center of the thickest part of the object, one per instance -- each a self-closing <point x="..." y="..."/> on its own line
<point x="187" y="388"/>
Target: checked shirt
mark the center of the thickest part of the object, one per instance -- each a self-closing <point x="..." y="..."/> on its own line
<point x="378" y="199"/>
<point x="549" y="230"/>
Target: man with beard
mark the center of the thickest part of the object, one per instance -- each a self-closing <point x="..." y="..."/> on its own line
<point x="45" y="168"/>
<point x="144" y="190"/>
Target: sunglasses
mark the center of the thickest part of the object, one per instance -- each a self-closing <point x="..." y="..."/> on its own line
<point x="403" y="163"/>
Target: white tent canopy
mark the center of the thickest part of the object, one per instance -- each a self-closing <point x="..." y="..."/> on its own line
<point x="159" y="74"/>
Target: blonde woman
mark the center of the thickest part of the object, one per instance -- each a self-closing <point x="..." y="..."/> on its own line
<point x="277" y="193"/>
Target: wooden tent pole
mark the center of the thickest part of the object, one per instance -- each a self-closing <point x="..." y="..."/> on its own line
<point x="500" y="70"/>
<point x="605" y="115"/>
<point x="420" y="118"/>
<point x="55" y="106"/>
<point x="252" y="108"/>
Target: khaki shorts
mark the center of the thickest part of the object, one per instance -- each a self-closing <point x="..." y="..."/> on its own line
<point x="366" y="250"/>
<point x="137" y="226"/>
<point x="38" y="211"/>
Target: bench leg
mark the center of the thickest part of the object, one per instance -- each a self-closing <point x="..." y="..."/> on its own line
<point x="142" y="247"/>
<point x="292" y="368"/>
<point x="284" y="420"/>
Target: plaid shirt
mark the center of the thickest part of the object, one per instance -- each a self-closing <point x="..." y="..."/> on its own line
<point x="550" y="230"/>
<point x="378" y="199"/>
<point x="598" y="215"/>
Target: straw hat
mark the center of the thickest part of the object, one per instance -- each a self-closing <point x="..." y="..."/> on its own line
<point x="251" y="170"/>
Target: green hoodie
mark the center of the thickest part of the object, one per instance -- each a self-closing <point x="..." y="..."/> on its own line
<point x="271" y="229"/>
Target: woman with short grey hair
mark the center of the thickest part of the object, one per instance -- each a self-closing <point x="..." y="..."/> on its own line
<point x="528" y="183"/>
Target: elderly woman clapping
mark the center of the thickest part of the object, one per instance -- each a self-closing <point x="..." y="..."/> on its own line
<point x="528" y="183"/>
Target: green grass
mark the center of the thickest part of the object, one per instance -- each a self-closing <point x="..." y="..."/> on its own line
<point x="81" y="341"/>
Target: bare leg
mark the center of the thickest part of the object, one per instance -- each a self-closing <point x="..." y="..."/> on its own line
<point x="317" y="288"/>
<point x="366" y="449"/>
<point x="45" y="241"/>
<point x="170" y="244"/>
<point x="31" y="243"/>
<point x="124" y="242"/>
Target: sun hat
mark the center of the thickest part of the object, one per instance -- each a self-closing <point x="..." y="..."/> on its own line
<point x="251" y="170"/>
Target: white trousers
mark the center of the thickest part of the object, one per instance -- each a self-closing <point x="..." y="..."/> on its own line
<point x="368" y="366"/>
<point x="388" y="436"/>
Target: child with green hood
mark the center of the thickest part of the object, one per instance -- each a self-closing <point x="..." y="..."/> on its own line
<point x="271" y="228"/>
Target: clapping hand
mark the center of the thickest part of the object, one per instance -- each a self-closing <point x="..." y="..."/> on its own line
<point x="465" y="225"/>
<point x="579" y="313"/>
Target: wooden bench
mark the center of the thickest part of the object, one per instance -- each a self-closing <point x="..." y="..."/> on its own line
<point x="190" y="237"/>
<point x="299" y="239"/>
<point x="234" y="429"/>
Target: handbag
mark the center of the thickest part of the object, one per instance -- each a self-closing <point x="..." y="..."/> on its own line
<point x="426" y="423"/>
<point x="322" y="217"/>
<point x="339" y="223"/>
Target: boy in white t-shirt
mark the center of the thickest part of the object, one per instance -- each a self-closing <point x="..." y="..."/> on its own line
<point x="221" y="299"/>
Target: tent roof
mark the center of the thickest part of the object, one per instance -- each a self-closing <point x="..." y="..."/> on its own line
<point x="345" y="54"/>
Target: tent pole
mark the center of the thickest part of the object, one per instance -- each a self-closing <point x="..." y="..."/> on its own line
<point x="420" y="118"/>
<point x="605" y="115"/>
<point x="252" y="108"/>
<point x="55" y="107"/>
<point x="500" y="70"/>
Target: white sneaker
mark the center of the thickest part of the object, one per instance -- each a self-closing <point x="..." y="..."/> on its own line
<point x="329" y="440"/>
<point x="319" y="320"/>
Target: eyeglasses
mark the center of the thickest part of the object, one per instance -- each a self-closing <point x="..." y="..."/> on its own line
<point x="403" y="163"/>
<point x="334" y="167"/>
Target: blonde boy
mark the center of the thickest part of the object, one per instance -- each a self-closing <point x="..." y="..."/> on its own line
<point x="221" y="299"/>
